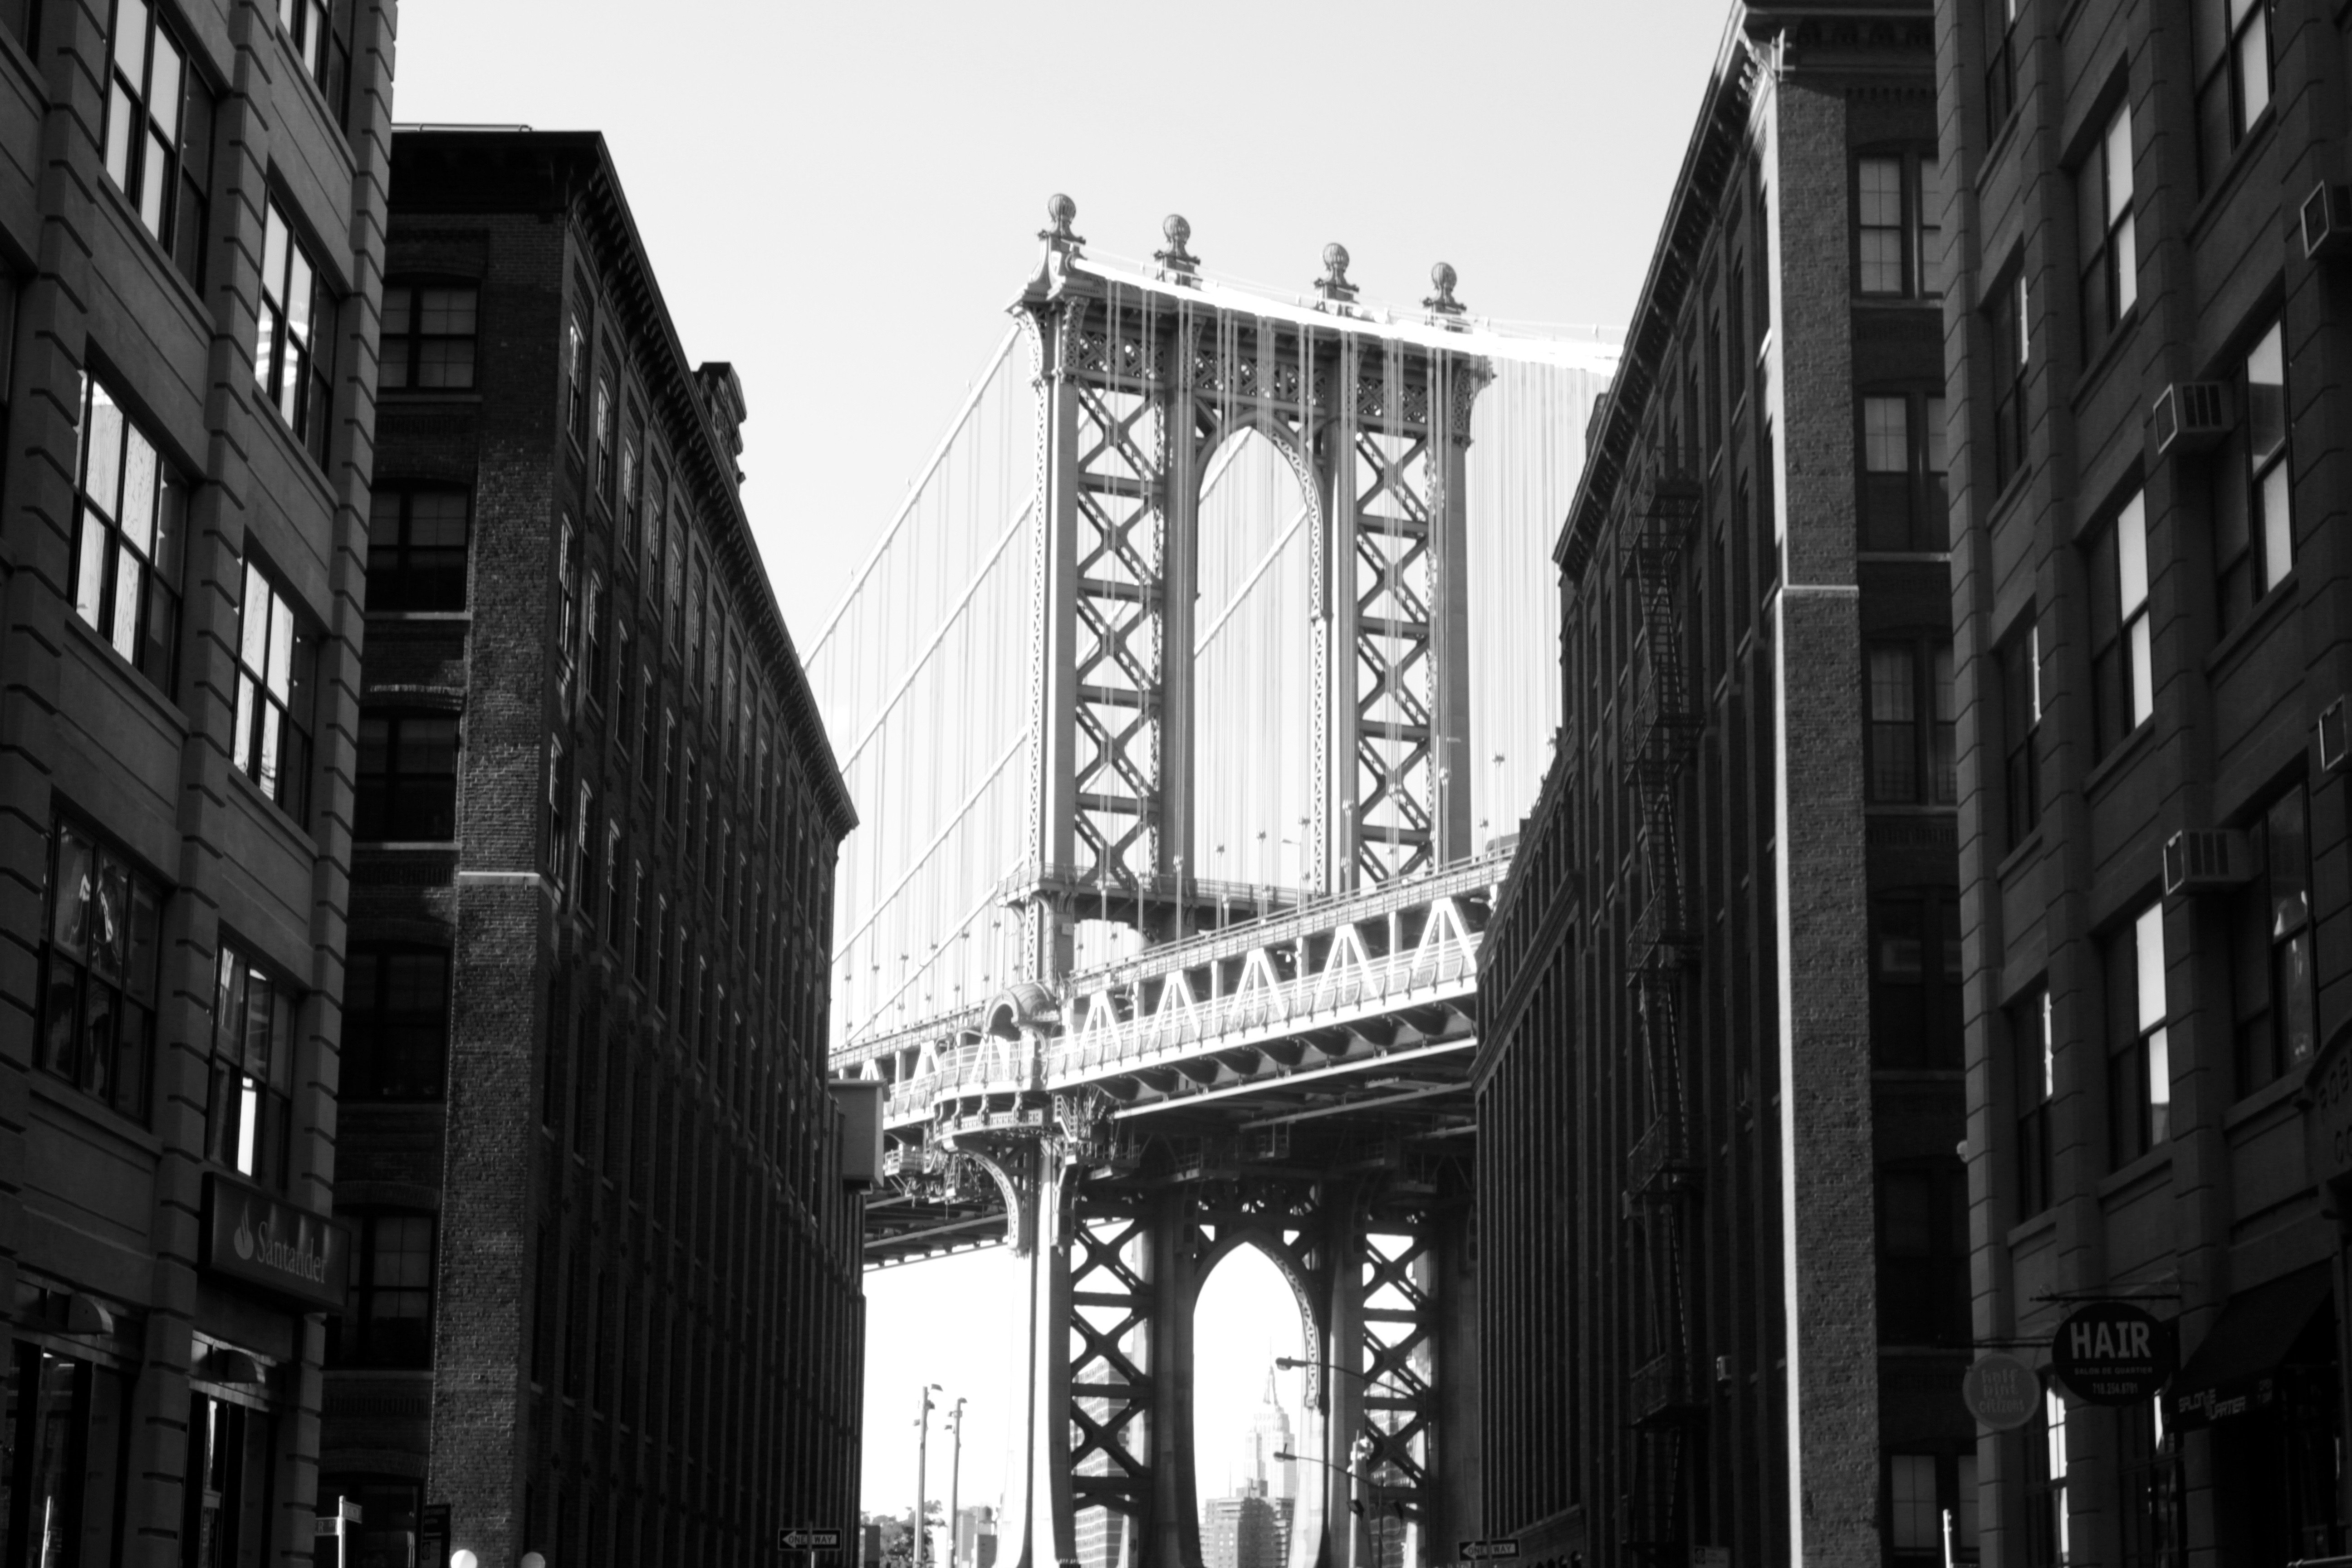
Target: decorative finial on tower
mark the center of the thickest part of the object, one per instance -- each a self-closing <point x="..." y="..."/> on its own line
<point x="1442" y="303"/>
<point x="1176" y="262"/>
<point x="1059" y="211"/>
<point x="1333" y="285"/>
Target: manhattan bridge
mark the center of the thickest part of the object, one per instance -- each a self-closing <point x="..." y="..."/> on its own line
<point x="1199" y="678"/>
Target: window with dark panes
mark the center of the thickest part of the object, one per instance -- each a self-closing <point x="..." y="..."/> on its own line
<point x="656" y="508"/>
<point x="130" y="508"/>
<point x="417" y="547"/>
<point x="2034" y="1075"/>
<point x="2002" y="44"/>
<point x="575" y="379"/>
<point x="584" y="848"/>
<point x="1915" y="979"/>
<point x="395" y="1023"/>
<point x="272" y="740"/>
<point x="1879" y="225"/>
<point x="558" y="782"/>
<point x="625" y="684"/>
<point x="616" y="889"/>
<point x="249" y="1118"/>
<point x="159" y="133"/>
<point x="567" y="581"/>
<point x="677" y="571"/>
<point x="596" y="672"/>
<point x="2048" y="1532"/>
<point x="2011" y="327"/>
<point x="2123" y="690"/>
<point x="2153" y="1518"/>
<point x="2020" y="727"/>
<point x="2270" y="947"/>
<point x="2253" y="507"/>
<point x="428" y="336"/>
<point x="649" y="713"/>
<point x="387" y="1319"/>
<point x="632" y="443"/>
<point x="407" y="786"/>
<point x="293" y="354"/>
<point x="2107" y="238"/>
<point x="98" y="971"/>
<point x="1904" y="487"/>
<point x="2229" y="48"/>
<point x="2140" y="1058"/>
<point x="1913" y="719"/>
<point x="1923" y="1253"/>
<point x="230" y="1449"/>
<point x="601" y="439"/>
<point x="65" y="1461"/>
<point x="320" y="32"/>
<point x="641" y="955"/>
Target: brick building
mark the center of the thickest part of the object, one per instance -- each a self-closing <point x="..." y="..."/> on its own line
<point x="190" y="211"/>
<point x="1722" y="1223"/>
<point x="2146" y="343"/>
<point x="605" y="1299"/>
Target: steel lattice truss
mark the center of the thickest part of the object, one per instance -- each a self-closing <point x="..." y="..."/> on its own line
<point x="1118" y="649"/>
<point x="1110" y="1381"/>
<point x="1399" y="1404"/>
<point x="1395" y="719"/>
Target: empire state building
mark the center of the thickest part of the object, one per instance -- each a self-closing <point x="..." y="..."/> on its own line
<point x="1252" y="1528"/>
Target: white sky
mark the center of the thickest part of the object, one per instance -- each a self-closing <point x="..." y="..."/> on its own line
<point x="841" y="198"/>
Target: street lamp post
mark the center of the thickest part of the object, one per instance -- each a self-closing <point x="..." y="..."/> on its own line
<point x="955" y="1488"/>
<point x="922" y="1461"/>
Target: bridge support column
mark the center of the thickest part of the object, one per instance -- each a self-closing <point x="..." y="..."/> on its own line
<point x="1037" y="1532"/>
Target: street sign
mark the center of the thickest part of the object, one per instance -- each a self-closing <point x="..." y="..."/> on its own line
<point x="808" y="1538"/>
<point x="2112" y="1353"/>
<point x="2002" y="1390"/>
<point x="1488" y="1551"/>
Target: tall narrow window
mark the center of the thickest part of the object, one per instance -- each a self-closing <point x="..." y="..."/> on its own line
<point x="247" y="1122"/>
<point x="428" y="337"/>
<point x="1904" y="505"/>
<point x="320" y="31"/>
<point x="2107" y="242"/>
<point x="2123" y="691"/>
<point x="98" y="972"/>
<point x="583" y="848"/>
<point x="1913" y="716"/>
<point x="631" y="441"/>
<point x="616" y="889"/>
<point x="395" y="1023"/>
<point x="1878" y="217"/>
<point x="2001" y="46"/>
<point x="2010" y="327"/>
<point x="1923" y="1253"/>
<point x="2047" y="1529"/>
<point x="407" y="784"/>
<point x="601" y="439"/>
<point x="2020" y="724"/>
<point x="2270" y="947"/>
<point x="2140" y="1061"/>
<point x="230" y="1448"/>
<point x="387" y="1319"/>
<point x="2154" y="1495"/>
<point x="567" y="578"/>
<point x="159" y="133"/>
<point x="1915" y="980"/>
<point x="558" y="839"/>
<point x="2230" y="43"/>
<point x="624" y="685"/>
<point x="272" y="744"/>
<point x="2033" y="1065"/>
<point x="416" y="548"/>
<point x="575" y="378"/>
<point x="2253" y="509"/>
<point x="593" y="678"/>
<point x="128" y="513"/>
<point x="293" y="356"/>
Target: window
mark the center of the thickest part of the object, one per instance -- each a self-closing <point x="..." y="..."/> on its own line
<point x="159" y="134"/>
<point x="624" y="685"/>
<point x="246" y="1126"/>
<point x="2253" y="508"/>
<point x="2033" y="1065"/>
<point x="272" y="743"/>
<point x="1923" y="1254"/>
<point x="387" y="1320"/>
<point x="407" y="787"/>
<point x="1913" y="724"/>
<point x="2002" y="46"/>
<point x="556" y="837"/>
<point x="2230" y="43"/>
<point x="631" y="441"/>
<point x="2270" y="947"/>
<point x="648" y="710"/>
<point x="2107" y="241"/>
<point x="647" y="933"/>
<point x="584" y="852"/>
<point x="670" y="765"/>
<point x="616" y="889"/>
<point x="2151" y="1517"/>
<point x="2123" y="688"/>
<point x="293" y="353"/>
<point x="1914" y="1515"/>
<point x="1904" y="489"/>
<point x="1915" y="980"/>
<point x="98" y="972"/>
<point x="2020" y="724"/>
<point x="593" y="686"/>
<point x="656" y="508"/>
<point x="416" y="548"/>
<point x="2012" y="353"/>
<point x="2047" y="1532"/>
<point x="601" y="445"/>
<point x="1878" y="216"/>
<point x="320" y="32"/>
<point x="567" y="576"/>
<point x="65" y="1462"/>
<point x="1898" y="207"/>
<point x="2139" y="1061"/>
<point x="676" y="575"/>
<point x="130" y="509"/>
<point x="575" y="379"/>
<point x="395" y="1023"/>
<point x="428" y="337"/>
<point x="230" y="1449"/>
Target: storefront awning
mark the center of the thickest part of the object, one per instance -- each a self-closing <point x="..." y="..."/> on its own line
<point x="2235" y="1365"/>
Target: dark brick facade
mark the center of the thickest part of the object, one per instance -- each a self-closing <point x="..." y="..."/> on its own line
<point x="1717" y="1120"/>
<point x="646" y="1321"/>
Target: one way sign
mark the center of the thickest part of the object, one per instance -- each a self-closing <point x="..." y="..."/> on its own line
<point x="1488" y="1551"/>
<point x="808" y="1538"/>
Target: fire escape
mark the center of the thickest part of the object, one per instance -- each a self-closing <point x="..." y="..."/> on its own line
<point x="1661" y="1172"/>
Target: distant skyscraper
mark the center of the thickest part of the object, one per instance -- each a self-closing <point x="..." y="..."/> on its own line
<point x="1269" y="1434"/>
<point x="1252" y="1528"/>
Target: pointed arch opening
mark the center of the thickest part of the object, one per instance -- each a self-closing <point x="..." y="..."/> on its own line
<point x="1256" y="1510"/>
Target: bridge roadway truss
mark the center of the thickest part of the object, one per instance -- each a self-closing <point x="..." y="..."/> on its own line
<point x="1295" y="1079"/>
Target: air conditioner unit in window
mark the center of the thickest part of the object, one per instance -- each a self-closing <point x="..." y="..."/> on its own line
<point x="2334" y="738"/>
<point x="2190" y="417"/>
<point x="2205" y="860"/>
<point x="2328" y="222"/>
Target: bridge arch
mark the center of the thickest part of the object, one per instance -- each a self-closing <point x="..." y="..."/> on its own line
<point x="1310" y="1416"/>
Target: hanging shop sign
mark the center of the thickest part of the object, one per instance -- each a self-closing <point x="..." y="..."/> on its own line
<point x="2002" y="1391"/>
<point x="259" y="1238"/>
<point x="2112" y="1353"/>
